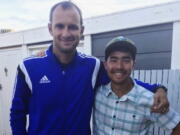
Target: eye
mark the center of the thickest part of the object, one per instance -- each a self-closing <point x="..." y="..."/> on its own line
<point x="126" y="60"/>
<point x="113" y="60"/>
<point x="73" y="27"/>
<point x="60" y="26"/>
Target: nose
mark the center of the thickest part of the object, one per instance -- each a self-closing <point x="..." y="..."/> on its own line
<point x="120" y="64"/>
<point x="66" y="32"/>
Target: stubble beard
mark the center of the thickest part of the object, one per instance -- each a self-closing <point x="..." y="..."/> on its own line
<point x="65" y="50"/>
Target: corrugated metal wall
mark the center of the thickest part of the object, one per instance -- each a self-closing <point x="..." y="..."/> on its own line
<point x="154" y="44"/>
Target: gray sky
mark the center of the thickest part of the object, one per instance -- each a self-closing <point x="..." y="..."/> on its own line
<point x="27" y="14"/>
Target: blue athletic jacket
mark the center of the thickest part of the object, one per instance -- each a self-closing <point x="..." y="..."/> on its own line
<point x="57" y="98"/>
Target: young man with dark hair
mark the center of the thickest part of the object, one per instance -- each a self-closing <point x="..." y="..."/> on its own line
<point x="123" y="107"/>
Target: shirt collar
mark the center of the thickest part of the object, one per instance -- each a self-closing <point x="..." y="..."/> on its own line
<point x="130" y="95"/>
<point x="108" y="89"/>
<point x="52" y="55"/>
<point x="133" y="94"/>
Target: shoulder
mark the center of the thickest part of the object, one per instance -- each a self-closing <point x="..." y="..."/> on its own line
<point x="143" y="96"/>
<point x="102" y="90"/>
<point x="144" y="92"/>
<point x="88" y="60"/>
<point x="34" y="58"/>
<point x="103" y="87"/>
<point x="33" y="61"/>
<point x="87" y="57"/>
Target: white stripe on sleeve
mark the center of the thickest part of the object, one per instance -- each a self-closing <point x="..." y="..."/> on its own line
<point x="27" y="78"/>
<point x="95" y="73"/>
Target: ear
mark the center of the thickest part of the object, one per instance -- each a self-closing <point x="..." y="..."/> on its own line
<point x="82" y="30"/>
<point x="50" y="28"/>
<point x="134" y="62"/>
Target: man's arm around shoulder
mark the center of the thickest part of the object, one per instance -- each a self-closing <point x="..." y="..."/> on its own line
<point x="161" y="103"/>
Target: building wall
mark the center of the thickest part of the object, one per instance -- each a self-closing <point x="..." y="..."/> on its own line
<point x="152" y="15"/>
<point x="175" y="62"/>
<point x="9" y="59"/>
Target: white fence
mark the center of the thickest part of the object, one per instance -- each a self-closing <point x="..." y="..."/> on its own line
<point x="170" y="79"/>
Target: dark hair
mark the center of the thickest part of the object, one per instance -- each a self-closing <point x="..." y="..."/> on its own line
<point x="122" y="46"/>
<point x="65" y="5"/>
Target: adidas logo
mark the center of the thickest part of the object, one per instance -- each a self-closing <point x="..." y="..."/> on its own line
<point x="44" y="79"/>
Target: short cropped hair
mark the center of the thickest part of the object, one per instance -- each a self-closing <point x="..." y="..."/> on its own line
<point x="65" y="5"/>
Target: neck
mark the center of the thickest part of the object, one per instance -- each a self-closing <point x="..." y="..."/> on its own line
<point x="64" y="57"/>
<point x="120" y="89"/>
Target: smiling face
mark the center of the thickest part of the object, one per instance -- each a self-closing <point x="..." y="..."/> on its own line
<point x="66" y="29"/>
<point x="119" y="66"/>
